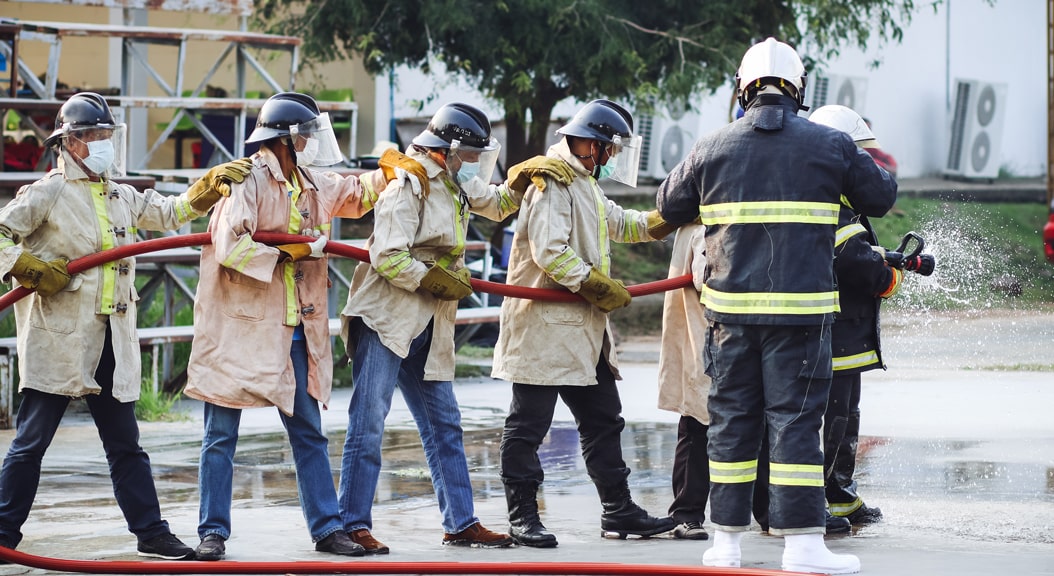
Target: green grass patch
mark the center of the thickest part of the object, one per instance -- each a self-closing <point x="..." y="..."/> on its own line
<point x="158" y="406"/>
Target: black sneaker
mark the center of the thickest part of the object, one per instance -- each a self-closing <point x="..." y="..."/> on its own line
<point x="690" y="531"/>
<point x="339" y="543"/>
<point x="165" y="546"/>
<point x="211" y="548"/>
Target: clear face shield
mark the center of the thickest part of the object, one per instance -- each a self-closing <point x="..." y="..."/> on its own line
<point x="102" y="150"/>
<point x="625" y="155"/>
<point x="315" y="142"/>
<point x="466" y="163"/>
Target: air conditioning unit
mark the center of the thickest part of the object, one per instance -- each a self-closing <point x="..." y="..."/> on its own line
<point x="667" y="136"/>
<point x="976" y="129"/>
<point x="848" y="91"/>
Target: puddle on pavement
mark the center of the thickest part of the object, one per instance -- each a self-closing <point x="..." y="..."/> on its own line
<point x="264" y="473"/>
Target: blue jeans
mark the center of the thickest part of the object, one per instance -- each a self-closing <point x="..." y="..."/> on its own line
<point x="314" y="477"/>
<point x="377" y="371"/>
<point x="38" y="419"/>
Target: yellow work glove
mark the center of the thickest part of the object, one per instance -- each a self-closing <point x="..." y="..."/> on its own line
<point x="658" y="227"/>
<point x="603" y="292"/>
<point x="447" y="284"/>
<point x="46" y="278"/>
<point x="302" y="251"/>
<point x="533" y="171"/>
<point x="395" y="165"/>
<point x="215" y="184"/>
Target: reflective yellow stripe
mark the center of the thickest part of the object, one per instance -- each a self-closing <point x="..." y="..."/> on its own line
<point x="109" y="270"/>
<point x="630" y="229"/>
<point x="184" y="211"/>
<point x="369" y="195"/>
<point x="289" y="268"/>
<point x="795" y="474"/>
<point x="845" y="202"/>
<point x="6" y="242"/>
<point x="770" y="302"/>
<point x="845" y="509"/>
<point x="394" y="264"/>
<point x="562" y="264"/>
<point x="602" y="229"/>
<point x="846" y="232"/>
<point x="240" y="255"/>
<point x="507" y="202"/>
<point x="856" y="360"/>
<point x="770" y="212"/>
<point x="460" y="226"/>
<point x="733" y="472"/>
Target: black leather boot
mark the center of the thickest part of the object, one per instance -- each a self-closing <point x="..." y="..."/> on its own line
<point x="525" y="526"/>
<point x="622" y="516"/>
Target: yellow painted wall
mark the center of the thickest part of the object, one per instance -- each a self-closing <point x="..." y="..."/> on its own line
<point x="84" y="64"/>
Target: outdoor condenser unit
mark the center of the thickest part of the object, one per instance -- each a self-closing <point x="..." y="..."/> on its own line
<point x="976" y="129"/>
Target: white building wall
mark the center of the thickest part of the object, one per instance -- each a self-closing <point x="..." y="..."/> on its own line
<point x="908" y="96"/>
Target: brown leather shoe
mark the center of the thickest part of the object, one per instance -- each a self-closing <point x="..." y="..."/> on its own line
<point x="477" y="536"/>
<point x="363" y="538"/>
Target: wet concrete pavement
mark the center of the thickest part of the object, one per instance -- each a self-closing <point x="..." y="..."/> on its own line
<point x="957" y="450"/>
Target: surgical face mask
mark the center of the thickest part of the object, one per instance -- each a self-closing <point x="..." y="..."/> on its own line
<point x="100" y="156"/>
<point x="307" y="156"/>
<point x="468" y="171"/>
<point x="606" y="170"/>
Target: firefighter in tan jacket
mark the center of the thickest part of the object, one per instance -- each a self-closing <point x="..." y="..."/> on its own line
<point x="564" y="349"/>
<point x="399" y="319"/>
<point x="77" y="337"/>
<point x="261" y="332"/>
<point x="683" y="384"/>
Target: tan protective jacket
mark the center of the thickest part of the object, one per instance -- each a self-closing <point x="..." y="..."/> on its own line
<point x="683" y="386"/>
<point x="561" y="234"/>
<point x="60" y="337"/>
<point x="247" y="304"/>
<point x="410" y="232"/>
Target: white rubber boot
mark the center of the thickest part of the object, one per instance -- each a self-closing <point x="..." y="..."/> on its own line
<point x="725" y="552"/>
<point x="808" y="553"/>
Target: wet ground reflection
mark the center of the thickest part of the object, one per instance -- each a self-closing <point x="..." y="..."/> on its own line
<point x="952" y="470"/>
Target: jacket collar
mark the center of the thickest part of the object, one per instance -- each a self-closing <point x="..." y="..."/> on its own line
<point x="563" y="152"/>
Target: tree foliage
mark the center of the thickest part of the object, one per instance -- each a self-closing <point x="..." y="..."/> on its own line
<point x="531" y="54"/>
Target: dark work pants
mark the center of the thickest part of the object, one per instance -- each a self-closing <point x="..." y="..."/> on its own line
<point x="691" y="472"/>
<point x="779" y="377"/>
<point x="598" y="415"/>
<point x="38" y="419"/>
<point x="841" y="433"/>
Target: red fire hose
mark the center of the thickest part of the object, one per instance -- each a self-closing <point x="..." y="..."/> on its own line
<point x="335" y="248"/>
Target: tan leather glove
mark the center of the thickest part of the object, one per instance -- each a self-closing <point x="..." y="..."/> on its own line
<point x="46" y="278"/>
<point x="658" y="227"/>
<point x="603" y="292"/>
<point x="215" y="184"/>
<point x="534" y="170"/>
<point x="393" y="161"/>
<point x="447" y="284"/>
<point x="302" y="251"/>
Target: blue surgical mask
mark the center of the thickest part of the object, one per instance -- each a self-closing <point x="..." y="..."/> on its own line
<point x="606" y="170"/>
<point x="100" y="156"/>
<point x="468" y="171"/>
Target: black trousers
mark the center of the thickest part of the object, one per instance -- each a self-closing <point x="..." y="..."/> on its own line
<point x="771" y="380"/>
<point x="598" y="416"/>
<point x="38" y="419"/>
<point x="841" y="433"/>
<point x="691" y="472"/>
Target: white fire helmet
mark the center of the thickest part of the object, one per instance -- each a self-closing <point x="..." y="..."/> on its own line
<point x="770" y="63"/>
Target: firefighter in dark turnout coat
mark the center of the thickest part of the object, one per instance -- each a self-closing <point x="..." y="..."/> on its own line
<point x="768" y="188"/>
<point x="864" y="280"/>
